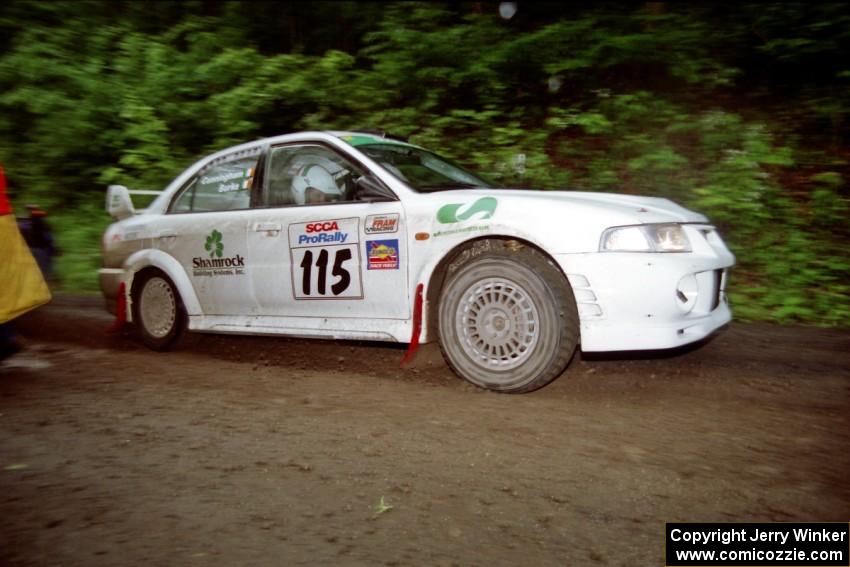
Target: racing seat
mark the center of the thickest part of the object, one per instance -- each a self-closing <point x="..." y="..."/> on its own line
<point x="280" y="192"/>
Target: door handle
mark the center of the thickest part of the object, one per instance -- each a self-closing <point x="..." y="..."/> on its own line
<point x="268" y="227"/>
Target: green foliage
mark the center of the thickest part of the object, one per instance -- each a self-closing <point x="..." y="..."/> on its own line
<point x="748" y="126"/>
<point x="78" y="233"/>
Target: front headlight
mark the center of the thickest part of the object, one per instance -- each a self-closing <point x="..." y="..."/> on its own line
<point x="645" y="238"/>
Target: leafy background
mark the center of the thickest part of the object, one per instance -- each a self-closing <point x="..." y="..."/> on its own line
<point x="739" y="111"/>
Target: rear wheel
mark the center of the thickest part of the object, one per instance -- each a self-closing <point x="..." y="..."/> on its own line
<point x="157" y="310"/>
<point x="507" y="317"/>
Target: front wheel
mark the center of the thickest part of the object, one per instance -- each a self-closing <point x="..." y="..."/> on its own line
<point x="507" y="318"/>
<point x="157" y="310"/>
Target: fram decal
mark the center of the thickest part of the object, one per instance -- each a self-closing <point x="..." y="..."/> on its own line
<point x="481" y="209"/>
<point x="382" y="254"/>
<point x="381" y="224"/>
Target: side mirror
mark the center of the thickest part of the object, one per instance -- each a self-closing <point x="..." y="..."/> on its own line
<point x="118" y="202"/>
<point x="369" y="188"/>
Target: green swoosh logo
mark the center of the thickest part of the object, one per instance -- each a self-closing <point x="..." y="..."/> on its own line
<point x="449" y="213"/>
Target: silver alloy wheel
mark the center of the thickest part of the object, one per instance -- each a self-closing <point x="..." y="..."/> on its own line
<point x="507" y="318"/>
<point x="497" y="323"/>
<point x="158" y="307"/>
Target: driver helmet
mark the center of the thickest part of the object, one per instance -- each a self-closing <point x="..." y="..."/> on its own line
<point x="317" y="178"/>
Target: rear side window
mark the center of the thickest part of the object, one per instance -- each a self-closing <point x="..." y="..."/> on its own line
<point x="224" y="185"/>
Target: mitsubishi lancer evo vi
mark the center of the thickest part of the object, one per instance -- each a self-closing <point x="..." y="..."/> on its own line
<point x="355" y="235"/>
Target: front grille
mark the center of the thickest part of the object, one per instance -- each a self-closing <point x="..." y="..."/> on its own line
<point x="716" y="289"/>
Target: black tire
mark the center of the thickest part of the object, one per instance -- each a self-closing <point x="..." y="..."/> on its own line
<point x="507" y="317"/>
<point x="158" y="312"/>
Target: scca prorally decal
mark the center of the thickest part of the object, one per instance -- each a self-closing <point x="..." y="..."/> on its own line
<point x="381" y="224"/>
<point x="217" y="265"/>
<point x="325" y="259"/>
<point x="481" y="209"/>
<point x="382" y="254"/>
<point x="322" y="233"/>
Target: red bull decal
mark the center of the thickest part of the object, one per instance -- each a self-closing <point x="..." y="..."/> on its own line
<point x="382" y="254"/>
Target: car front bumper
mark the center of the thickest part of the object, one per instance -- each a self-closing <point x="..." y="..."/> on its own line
<point x="645" y="301"/>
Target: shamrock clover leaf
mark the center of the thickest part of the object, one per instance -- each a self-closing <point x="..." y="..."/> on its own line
<point x="214" y="245"/>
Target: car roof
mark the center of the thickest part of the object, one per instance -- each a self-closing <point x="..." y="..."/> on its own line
<point x="365" y="138"/>
<point x="353" y="138"/>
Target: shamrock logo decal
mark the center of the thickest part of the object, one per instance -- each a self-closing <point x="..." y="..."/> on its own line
<point x="214" y="245"/>
<point x="449" y="214"/>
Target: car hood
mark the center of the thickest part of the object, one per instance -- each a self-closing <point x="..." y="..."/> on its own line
<point x="560" y="221"/>
<point x="630" y="208"/>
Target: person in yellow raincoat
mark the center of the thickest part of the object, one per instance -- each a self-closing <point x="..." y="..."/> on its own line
<point x="22" y="286"/>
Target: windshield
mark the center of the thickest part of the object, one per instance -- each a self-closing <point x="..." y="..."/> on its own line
<point x="421" y="169"/>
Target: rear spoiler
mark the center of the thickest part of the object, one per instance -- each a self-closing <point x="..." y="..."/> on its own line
<point x="118" y="202"/>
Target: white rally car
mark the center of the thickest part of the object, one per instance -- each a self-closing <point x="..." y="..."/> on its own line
<point x="354" y="235"/>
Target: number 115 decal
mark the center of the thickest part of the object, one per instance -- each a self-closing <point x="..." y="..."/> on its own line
<point x="326" y="259"/>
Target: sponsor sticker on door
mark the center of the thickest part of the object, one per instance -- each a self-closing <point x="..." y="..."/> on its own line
<point x="218" y="264"/>
<point x="325" y="259"/>
<point x="382" y="254"/>
<point x="382" y="224"/>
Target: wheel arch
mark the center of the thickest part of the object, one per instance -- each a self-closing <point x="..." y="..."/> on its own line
<point x="437" y="277"/>
<point x="145" y="260"/>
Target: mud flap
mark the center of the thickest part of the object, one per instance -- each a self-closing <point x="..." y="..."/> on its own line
<point x="417" y="328"/>
<point x="120" y="311"/>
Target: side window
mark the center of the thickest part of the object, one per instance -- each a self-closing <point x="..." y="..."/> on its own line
<point x="308" y="175"/>
<point x="221" y="186"/>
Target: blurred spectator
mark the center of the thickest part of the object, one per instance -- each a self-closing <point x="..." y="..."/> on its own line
<point x="22" y="286"/>
<point x="39" y="237"/>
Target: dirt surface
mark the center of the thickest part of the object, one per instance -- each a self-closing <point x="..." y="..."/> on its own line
<point x="257" y="451"/>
